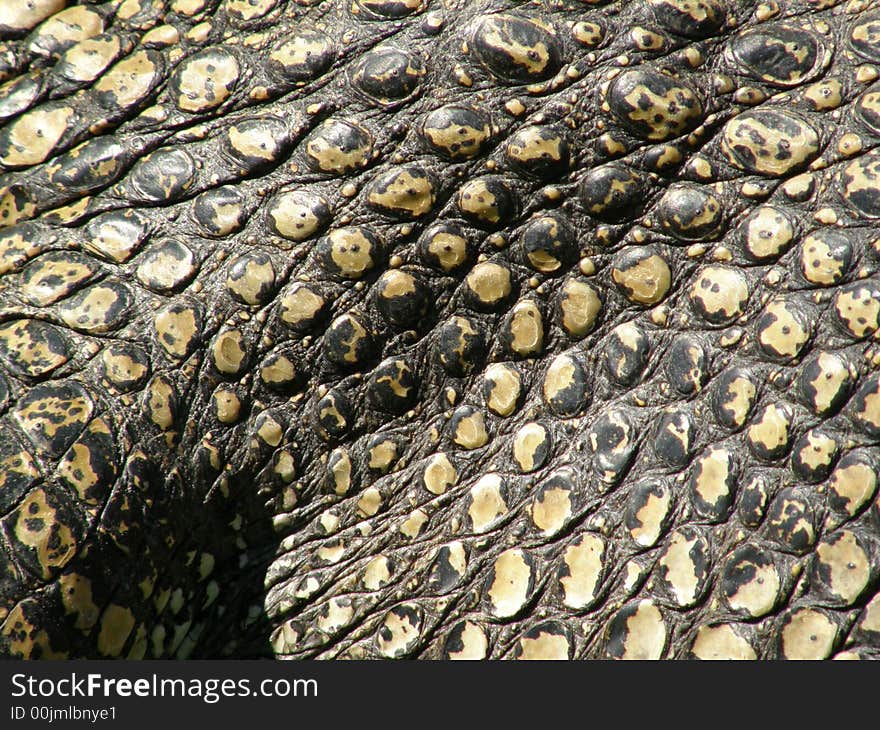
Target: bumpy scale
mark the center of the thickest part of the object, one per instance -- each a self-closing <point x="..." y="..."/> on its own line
<point x="461" y="329"/>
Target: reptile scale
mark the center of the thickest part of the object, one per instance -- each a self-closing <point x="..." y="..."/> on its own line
<point x="440" y="329"/>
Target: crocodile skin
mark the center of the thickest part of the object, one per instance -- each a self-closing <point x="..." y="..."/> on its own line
<point x="439" y="329"/>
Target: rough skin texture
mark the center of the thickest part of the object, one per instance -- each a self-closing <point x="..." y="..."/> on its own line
<point x="439" y="328"/>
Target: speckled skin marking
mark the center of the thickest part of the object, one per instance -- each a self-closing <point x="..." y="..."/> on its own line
<point x="205" y="80"/>
<point x="409" y="328"/>
<point x="654" y="106"/>
<point x="457" y="132"/>
<point x="771" y="143"/>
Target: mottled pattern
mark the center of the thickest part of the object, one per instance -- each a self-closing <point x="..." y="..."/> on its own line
<point x="440" y="328"/>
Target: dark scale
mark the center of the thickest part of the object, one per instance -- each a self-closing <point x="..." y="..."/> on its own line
<point x="151" y="67"/>
<point x="546" y="632"/>
<point x="525" y="583"/>
<point x="251" y="278"/>
<point x="333" y="415"/>
<point x="93" y="165"/>
<point x="97" y="309"/>
<point x="612" y="439"/>
<point x="393" y="385"/>
<point x="15" y="152"/>
<point x="19" y="479"/>
<point x="864" y="34"/>
<point x="674" y="438"/>
<point x="673" y="106"/>
<point x="349" y="253"/>
<point x="843" y="550"/>
<point x="230" y="353"/>
<point x="416" y="329"/>
<point x="460" y="346"/>
<point x="824" y="382"/>
<point x="388" y="75"/>
<point x="854" y="481"/>
<point x="862" y="406"/>
<point x="541" y="152"/>
<point x="769" y="435"/>
<point x="33" y="349"/>
<point x="52" y="415"/>
<point x="612" y="192"/>
<point x="302" y="307"/>
<point x="858" y="183"/>
<point x="255" y="145"/>
<point x="341" y="475"/>
<point x="124" y="367"/>
<point x="381" y="9"/>
<point x="405" y="192"/>
<point x="855" y="308"/>
<point x="383" y="452"/>
<point x="700" y="21"/>
<point x="626" y="354"/>
<point x="116" y="235"/>
<point x="281" y="371"/>
<point x="220" y="211"/>
<point x="348" y="343"/>
<point x="445" y="247"/>
<point x="205" y="80"/>
<point x="18" y="94"/>
<point x="686" y="365"/>
<point x="178" y="327"/>
<point x="642" y="274"/>
<point x="734" y="397"/>
<point x="44" y="510"/>
<point x="566" y="569"/>
<point x="618" y="634"/>
<point x="457" y="132"/>
<point x="778" y="54"/>
<point x="290" y="66"/>
<point x="548" y="245"/>
<point x="458" y="640"/>
<point x="790" y="521"/>
<point x="648" y="512"/>
<point x="690" y="549"/>
<point x="825" y="625"/>
<point x="813" y="455"/>
<point x="868" y="111"/>
<point x="498" y="491"/>
<point x="753" y="501"/>
<point x="566" y="386"/>
<point x="339" y="147"/>
<point x="517" y="50"/>
<point x="4" y="393"/>
<point x="825" y="257"/>
<point x="488" y="202"/>
<point x="161" y="177"/>
<point x="161" y="400"/>
<point x="297" y="215"/>
<point x="690" y="213"/>
<point x="465" y="421"/>
<point x="444" y="574"/>
<point x="166" y="266"/>
<point x="402" y="299"/>
<point x="560" y="488"/>
<point x="771" y="143"/>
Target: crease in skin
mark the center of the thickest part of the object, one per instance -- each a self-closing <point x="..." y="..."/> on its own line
<point x="237" y="525"/>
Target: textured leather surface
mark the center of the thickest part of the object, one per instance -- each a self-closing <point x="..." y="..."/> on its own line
<point x="409" y="328"/>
